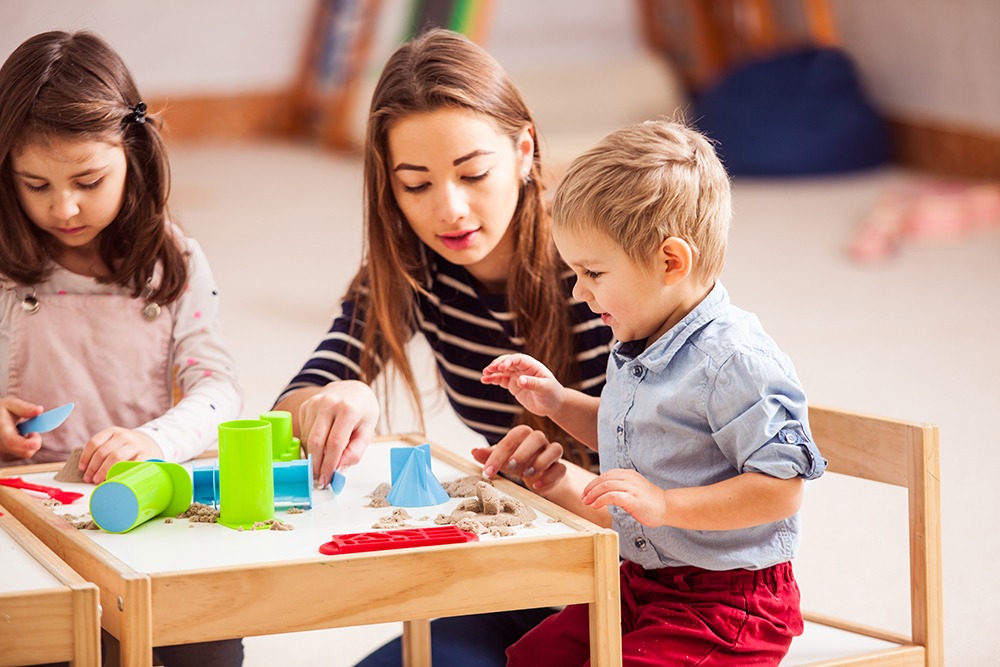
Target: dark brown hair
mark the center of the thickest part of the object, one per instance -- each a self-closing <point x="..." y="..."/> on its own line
<point x="443" y="69"/>
<point x="74" y="86"/>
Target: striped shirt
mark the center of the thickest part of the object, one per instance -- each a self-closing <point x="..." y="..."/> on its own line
<point x="466" y="329"/>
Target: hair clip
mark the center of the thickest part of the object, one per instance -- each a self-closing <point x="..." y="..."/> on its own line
<point x="137" y="115"/>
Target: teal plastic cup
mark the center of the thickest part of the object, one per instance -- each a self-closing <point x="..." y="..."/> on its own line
<point x="137" y="491"/>
<point x="284" y="447"/>
<point x="246" y="477"/>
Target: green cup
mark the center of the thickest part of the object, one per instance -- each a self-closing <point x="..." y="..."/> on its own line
<point x="246" y="478"/>
<point x="137" y="491"/>
<point x="283" y="446"/>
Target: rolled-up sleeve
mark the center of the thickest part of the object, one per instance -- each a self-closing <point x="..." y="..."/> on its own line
<point x="759" y="416"/>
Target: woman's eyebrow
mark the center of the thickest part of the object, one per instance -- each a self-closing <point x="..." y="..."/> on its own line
<point x="466" y="158"/>
<point x="405" y="166"/>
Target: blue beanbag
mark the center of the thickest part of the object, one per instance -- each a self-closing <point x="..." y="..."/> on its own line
<point x="798" y="113"/>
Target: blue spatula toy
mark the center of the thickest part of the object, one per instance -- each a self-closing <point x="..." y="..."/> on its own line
<point x="46" y="421"/>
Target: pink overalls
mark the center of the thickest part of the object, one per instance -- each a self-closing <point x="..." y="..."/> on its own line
<point x="98" y="351"/>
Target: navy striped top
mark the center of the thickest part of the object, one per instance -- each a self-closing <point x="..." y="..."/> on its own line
<point x="466" y="328"/>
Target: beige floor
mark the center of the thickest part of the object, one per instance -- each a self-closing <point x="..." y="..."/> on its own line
<point x="914" y="338"/>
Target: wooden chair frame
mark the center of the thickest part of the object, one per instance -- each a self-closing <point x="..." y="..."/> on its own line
<point x="903" y="454"/>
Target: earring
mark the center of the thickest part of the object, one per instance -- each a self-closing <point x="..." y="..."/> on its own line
<point x="526" y="174"/>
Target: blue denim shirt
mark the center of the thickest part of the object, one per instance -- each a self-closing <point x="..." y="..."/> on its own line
<point x="713" y="398"/>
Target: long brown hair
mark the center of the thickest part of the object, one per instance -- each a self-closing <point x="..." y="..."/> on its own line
<point x="443" y="69"/>
<point x="74" y="86"/>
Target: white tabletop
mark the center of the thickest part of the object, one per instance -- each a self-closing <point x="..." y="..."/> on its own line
<point x="20" y="571"/>
<point x="159" y="547"/>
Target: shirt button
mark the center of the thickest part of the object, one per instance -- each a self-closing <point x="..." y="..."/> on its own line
<point x="621" y="429"/>
<point x="640" y="543"/>
<point x="637" y="371"/>
<point x="790" y="437"/>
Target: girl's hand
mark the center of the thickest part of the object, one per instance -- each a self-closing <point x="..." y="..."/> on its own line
<point x="336" y="424"/>
<point x="112" y="445"/>
<point x="630" y="491"/>
<point x="524" y="453"/>
<point x="528" y="380"/>
<point x="13" y="445"/>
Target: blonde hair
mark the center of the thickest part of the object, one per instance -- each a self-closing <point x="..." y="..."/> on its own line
<point x="647" y="182"/>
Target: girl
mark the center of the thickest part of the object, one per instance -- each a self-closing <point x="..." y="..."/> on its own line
<point x="103" y="302"/>
<point x="458" y="249"/>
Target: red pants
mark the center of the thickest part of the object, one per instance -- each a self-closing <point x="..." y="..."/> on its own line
<point x="681" y="616"/>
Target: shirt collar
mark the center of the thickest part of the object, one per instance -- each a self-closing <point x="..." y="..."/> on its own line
<point x="662" y="350"/>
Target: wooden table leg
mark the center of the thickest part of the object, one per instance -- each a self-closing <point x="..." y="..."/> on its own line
<point x="605" y="611"/>
<point x="136" y="623"/>
<point x="417" y="643"/>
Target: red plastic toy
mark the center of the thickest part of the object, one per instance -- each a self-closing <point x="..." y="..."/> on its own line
<point x="407" y="538"/>
<point x="65" y="497"/>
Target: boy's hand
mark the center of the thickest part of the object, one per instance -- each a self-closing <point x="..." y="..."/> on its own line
<point x="13" y="445"/>
<point x="630" y="491"/>
<point x="524" y="453"/>
<point x="528" y="380"/>
<point x="112" y="445"/>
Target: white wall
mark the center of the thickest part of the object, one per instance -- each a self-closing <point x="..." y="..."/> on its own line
<point x="928" y="59"/>
<point x="179" y="47"/>
<point x="921" y="59"/>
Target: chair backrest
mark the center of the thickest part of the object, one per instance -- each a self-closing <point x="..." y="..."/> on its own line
<point x="902" y="454"/>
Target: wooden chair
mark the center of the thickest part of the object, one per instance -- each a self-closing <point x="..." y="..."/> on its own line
<point x="905" y="455"/>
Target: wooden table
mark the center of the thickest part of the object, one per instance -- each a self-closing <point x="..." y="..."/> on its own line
<point x="170" y="583"/>
<point x="48" y="612"/>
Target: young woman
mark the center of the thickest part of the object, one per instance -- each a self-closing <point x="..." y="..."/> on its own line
<point x="459" y="250"/>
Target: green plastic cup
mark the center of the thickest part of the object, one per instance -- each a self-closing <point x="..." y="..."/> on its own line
<point x="246" y="477"/>
<point x="137" y="491"/>
<point x="283" y="446"/>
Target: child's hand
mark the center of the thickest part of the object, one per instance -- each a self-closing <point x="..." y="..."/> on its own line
<point x="630" y="491"/>
<point x="336" y="425"/>
<point x="528" y="380"/>
<point x="524" y="453"/>
<point x="112" y="445"/>
<point x="13" y="445"/>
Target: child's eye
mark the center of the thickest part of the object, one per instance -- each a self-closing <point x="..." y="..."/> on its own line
<point x="415" y="188"/>
<point x="92" y="185"/>
<point x="593" y="275"/>
<point x="34" y="188"/>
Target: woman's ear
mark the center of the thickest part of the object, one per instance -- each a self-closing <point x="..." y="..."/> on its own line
<point x="675" y="260"/>
<point x="526" y="149"/>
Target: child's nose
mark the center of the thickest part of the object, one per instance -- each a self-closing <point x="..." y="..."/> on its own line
<point x="64" y="205"/>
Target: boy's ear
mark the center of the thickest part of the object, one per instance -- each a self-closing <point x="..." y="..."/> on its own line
<point x="675" y="260"/>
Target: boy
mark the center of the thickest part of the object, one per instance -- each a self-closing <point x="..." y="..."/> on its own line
<point x="701" y="428"/>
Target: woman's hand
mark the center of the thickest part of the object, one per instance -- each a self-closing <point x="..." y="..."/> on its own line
<point x="112" y="445"/>
<point x="13" y="445"/>
<point x="528" y="380"/>
<point x="524" y="453"/>
<point x="336" y="424"/>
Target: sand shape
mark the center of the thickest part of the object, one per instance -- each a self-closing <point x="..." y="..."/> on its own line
<point x="464" y="487"/>
<point x="71" y="469"/>
<point x="399" y="518"/>
<point x="200" y="513"/>
<point x="378" y="496"/>
<point x="489" y="511"/>
<point x="81" y="521"/>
